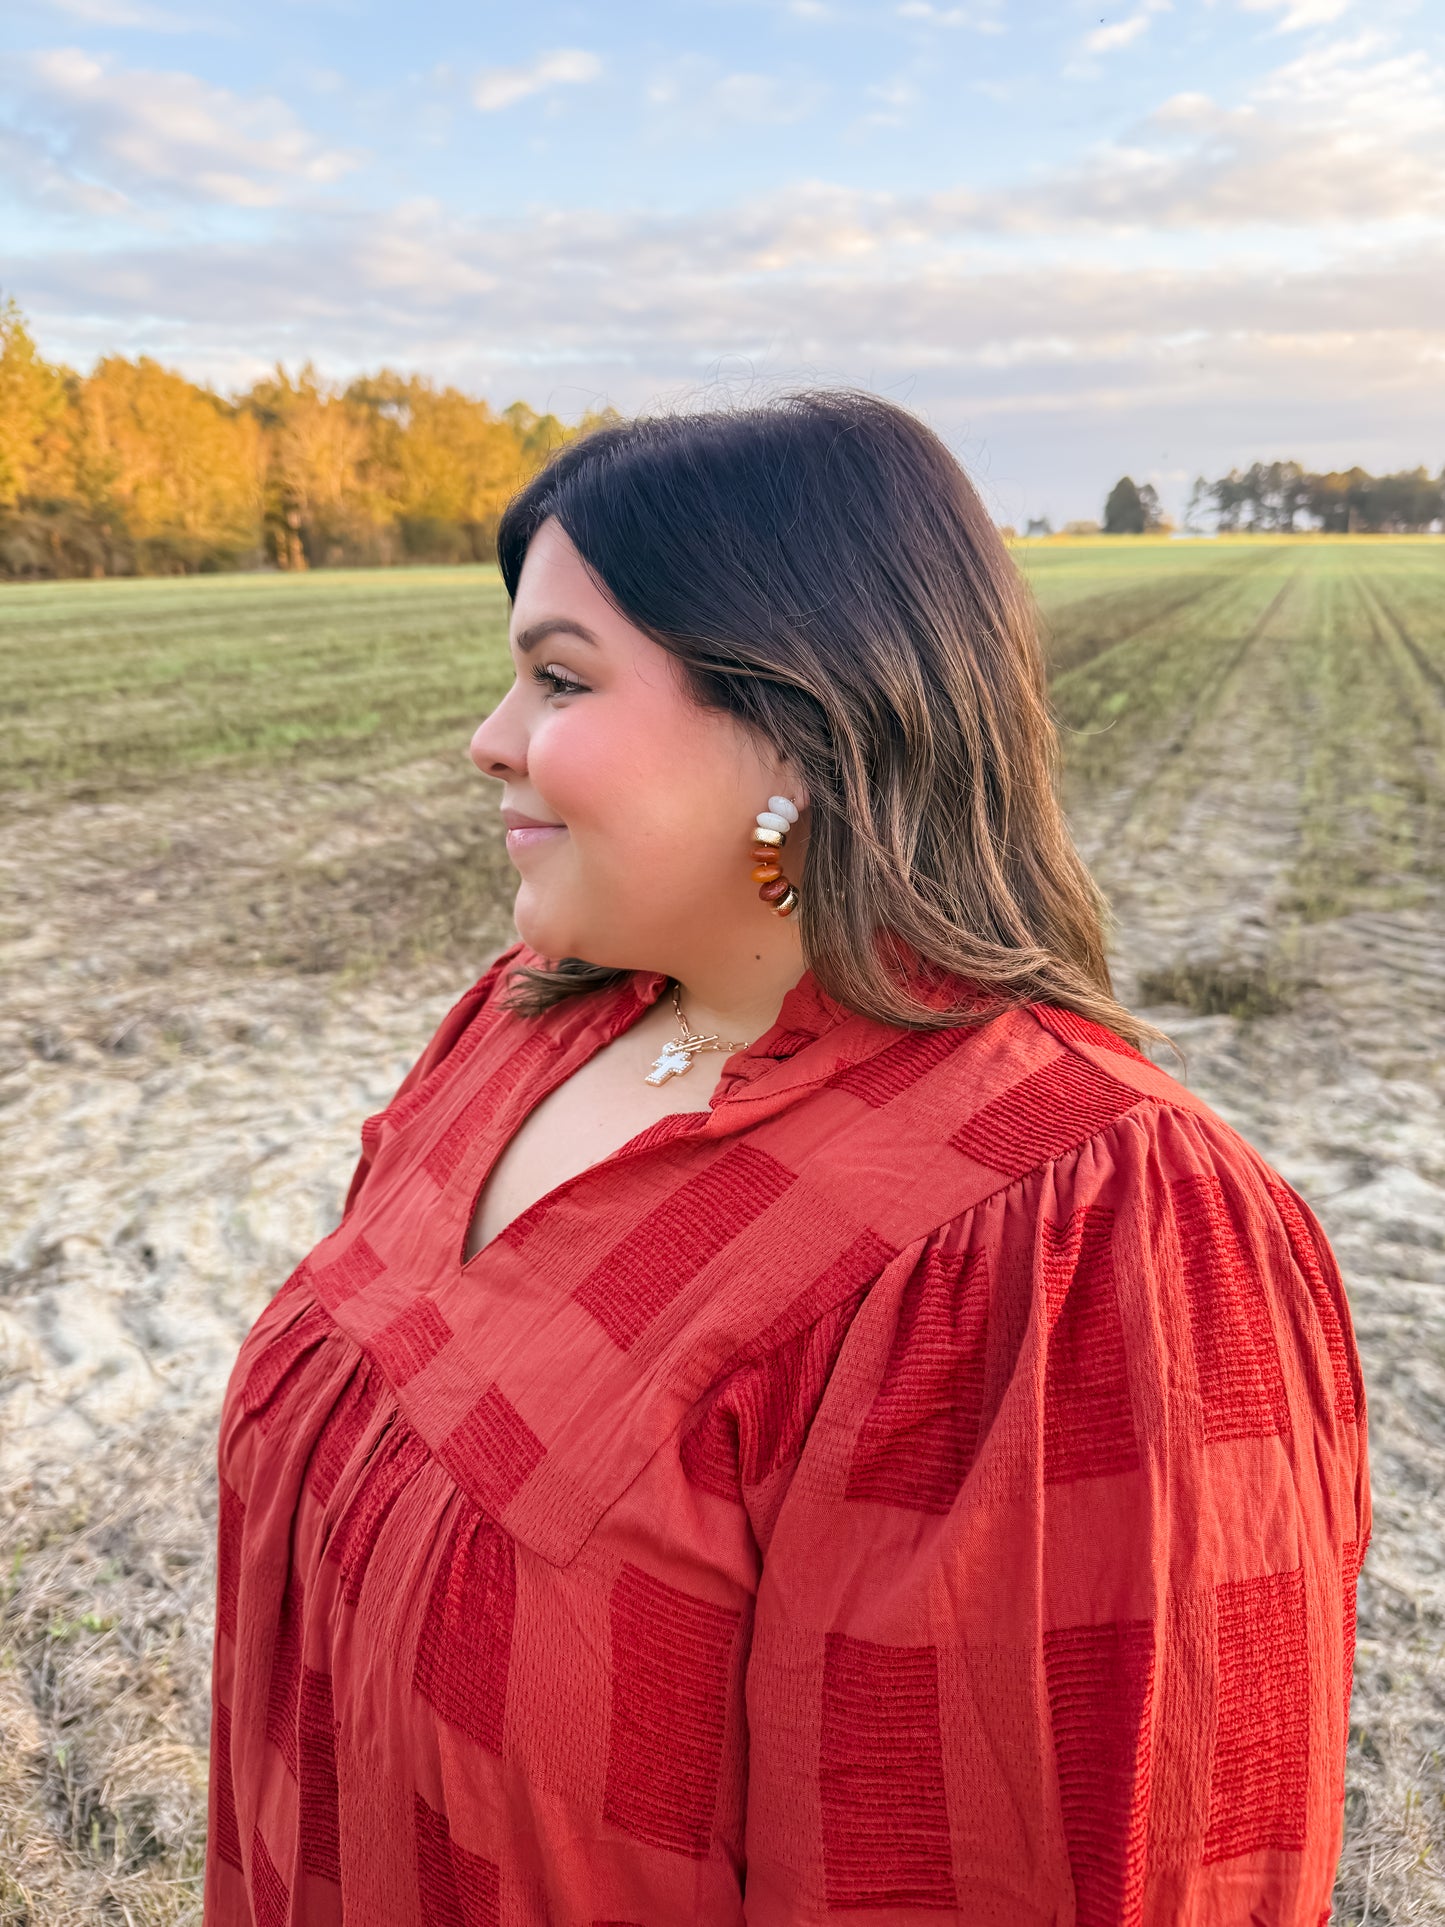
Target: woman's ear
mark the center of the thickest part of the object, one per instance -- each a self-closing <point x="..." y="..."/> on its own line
<point x="791" y="785"/>
<point x="786" y="779"/>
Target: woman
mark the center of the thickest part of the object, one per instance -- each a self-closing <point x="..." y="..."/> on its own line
<point x="800" y="1420"/>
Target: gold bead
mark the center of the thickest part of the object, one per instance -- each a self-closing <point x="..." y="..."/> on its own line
<point x="785" y="906"/>
<point x="774" y="838"/>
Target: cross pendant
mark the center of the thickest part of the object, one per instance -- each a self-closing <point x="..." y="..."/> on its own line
<point x="671" y="1061"/>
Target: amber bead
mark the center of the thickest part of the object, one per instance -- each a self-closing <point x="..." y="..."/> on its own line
<point x="765" y="872"/>
<point x="767" y="857"/>
<point x="772" y="892"/>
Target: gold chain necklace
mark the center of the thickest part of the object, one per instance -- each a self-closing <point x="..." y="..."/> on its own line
<point x="676" y="1056"/>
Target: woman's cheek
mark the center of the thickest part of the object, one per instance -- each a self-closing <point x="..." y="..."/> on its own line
<point x="593" y="771"/>
<point x="566" y="768"/>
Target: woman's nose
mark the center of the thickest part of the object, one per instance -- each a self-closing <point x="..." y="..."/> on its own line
<point x="496" y="747"/>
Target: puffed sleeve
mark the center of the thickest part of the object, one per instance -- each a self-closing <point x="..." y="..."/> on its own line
<point x="490" y="986"/>
<point x="1056" y="1617"/>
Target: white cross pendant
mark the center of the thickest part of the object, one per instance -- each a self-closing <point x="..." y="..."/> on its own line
<point x="671" y="1061"/>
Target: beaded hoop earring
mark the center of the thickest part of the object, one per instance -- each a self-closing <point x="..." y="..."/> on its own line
<point x="771" y="834"/>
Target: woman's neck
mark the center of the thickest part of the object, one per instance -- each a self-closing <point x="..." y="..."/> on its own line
<point x="737" y="998"/>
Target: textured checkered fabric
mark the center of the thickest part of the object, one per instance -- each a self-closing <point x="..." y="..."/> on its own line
<point x="928" y="1485"/>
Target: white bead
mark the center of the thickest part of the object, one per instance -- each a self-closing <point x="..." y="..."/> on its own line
<point x="780" y="806"/>
<point x="768" y="821"/>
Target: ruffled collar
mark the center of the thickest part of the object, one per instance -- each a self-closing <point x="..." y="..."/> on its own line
<point x="807" y="1015"/>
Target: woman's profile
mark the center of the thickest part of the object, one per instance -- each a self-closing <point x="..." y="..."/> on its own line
<point x="800" y="1420"/>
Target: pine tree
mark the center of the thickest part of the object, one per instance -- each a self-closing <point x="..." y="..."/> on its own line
<point x="1124" y="511"/>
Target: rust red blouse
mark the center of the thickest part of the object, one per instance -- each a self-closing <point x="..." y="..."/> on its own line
<point x="927" y="1485"/>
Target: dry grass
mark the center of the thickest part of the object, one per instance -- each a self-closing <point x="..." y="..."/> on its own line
<point x="1217" y="987"/>
<point x="104" y="1686"/>
<point x="247" y="865"/>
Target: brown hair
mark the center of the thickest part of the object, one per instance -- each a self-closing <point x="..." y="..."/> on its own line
<point x="823" y="569"/>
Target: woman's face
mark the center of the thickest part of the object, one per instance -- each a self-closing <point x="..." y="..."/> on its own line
<point x="648" y="800"/>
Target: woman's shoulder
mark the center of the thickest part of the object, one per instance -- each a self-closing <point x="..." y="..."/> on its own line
<point x="488" y="992"/>
<point x="1038" y="1088"/>
<point x="1106" y="1181"/>
<point x="447" y="1050"/>
<point x="1095" y="1109"/>
<point x="1050" y="1113"/>
<point x="479" y="1002"/>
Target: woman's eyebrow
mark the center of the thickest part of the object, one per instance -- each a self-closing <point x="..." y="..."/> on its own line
<point x="527" y="639"/>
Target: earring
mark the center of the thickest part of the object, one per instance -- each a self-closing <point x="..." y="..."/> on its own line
<point x="769" y="837"/>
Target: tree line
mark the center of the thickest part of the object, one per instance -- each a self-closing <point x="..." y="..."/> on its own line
<point x="1278" y="497"/>
<point x="133" y="469"/>
<point x="1284" y="498"/>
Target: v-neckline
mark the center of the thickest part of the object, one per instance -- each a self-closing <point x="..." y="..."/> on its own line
<point x="642" y="992"/>
<point x="635" y="999"/>
<point x="804" y="1013"/>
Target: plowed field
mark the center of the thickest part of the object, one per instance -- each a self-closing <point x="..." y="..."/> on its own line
<point x="246" y="865"/>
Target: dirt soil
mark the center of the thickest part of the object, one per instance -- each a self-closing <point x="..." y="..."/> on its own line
<point x="1227" y="895"/>
<point x="184" y="1070"/>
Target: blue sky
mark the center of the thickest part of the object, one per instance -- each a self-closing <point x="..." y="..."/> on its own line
<point x="1081" y="239"/>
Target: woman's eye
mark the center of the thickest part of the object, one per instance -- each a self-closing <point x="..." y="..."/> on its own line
<point x="554" y="680"/>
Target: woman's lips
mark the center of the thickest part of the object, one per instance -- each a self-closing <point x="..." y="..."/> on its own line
<point x="525" y="837"/>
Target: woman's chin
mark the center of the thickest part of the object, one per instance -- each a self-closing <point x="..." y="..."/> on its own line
<point x="541" y="926"/>
<point x="555" y="928"/>
<point x="532" y="922"/>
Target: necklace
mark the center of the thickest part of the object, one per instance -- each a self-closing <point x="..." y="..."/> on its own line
<point x="676" y="1056"/>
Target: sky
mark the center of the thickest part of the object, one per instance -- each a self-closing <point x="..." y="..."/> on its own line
<point x="1080" y="239"/>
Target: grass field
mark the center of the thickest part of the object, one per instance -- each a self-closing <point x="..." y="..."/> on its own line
<point x="115" y="685"/>
<point x="247" y="864"/>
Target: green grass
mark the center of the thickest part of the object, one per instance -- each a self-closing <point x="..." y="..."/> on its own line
<point x="269" y="774"/>
<point x="110" y="686"/>
<point x="302" y="740"/>
<point x="106" y="686"/>
<point x="280" y="764"/>
<point x="1328" y="657"/>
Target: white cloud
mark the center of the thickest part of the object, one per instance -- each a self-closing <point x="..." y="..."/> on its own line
<point x="895" y="98"/>
<point x="122" y="13"/>
<point x="1121" y="33"/>
<point x="1364" y="90"/>
<point x="818" y="283"/>
<point x="1303" y="217"/>
<point x="692" y="100"/>
<point x="981" y="18"/>
<point x="760" y="98"/>
<point x="26" y="164"/>
<point x="893" y="93"/>
<point x="498" y="87"/>
<point x="848" y="269"/>
<point x="95" y="128"/>
<point x="1349" y="131"/>
<point x="586" y="306"/>
<point x="1296" y="14"/>
<point x="1346" y="133"/>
